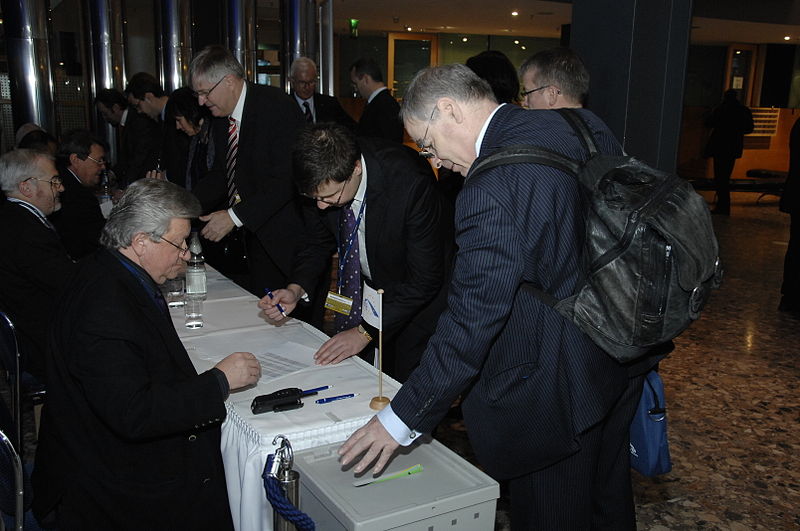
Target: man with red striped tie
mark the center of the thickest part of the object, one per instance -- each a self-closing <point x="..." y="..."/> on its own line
<point x="250" y="188"/>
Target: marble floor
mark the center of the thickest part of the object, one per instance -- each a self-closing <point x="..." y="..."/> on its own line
<point x="732" y="395"/>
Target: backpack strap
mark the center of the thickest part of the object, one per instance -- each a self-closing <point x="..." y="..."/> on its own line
<point x="523" y="153"/>
<point x="581" y="128"/>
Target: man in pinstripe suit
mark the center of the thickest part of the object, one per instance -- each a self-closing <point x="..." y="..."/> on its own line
<point x="541" y="396"/>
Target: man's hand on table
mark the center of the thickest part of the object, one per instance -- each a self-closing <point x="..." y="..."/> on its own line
<point x="218" y="225"/>
<point x="241" y="369"/>
<point x="373" y="439"/>
<point x="340" y="347"/>
<point x="286" y="297"/>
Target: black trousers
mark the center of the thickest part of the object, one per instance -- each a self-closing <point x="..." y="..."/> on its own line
<point x="588" y="490"/>
<point x="723" y="168"/>
<point x="790" y="289"/>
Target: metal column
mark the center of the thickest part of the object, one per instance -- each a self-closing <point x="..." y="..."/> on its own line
<point x="241" y="31"/>
<point x="25" y="24"/>
<point x="327" y="76"/>
<point x="300" y="33"/>
<point x="174" y="42"/>
<point x="106" y="45"/>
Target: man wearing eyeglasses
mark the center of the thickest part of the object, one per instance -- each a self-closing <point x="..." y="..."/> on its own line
<point x="540" y="395"/>
<point x="81" y="162"/>
<point x="554" y="79"/>
<point x="33" y="263"/>
<point x="316" y="107"/>
<point x="249" y="193"/>
<point x="130" y="435"/>
<point x="398" y="239"/>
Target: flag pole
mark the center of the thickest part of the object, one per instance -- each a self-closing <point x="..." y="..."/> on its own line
<point x="379" y="402"/>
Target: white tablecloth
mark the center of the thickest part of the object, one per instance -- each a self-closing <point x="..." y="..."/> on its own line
<point x="232" y="322"/>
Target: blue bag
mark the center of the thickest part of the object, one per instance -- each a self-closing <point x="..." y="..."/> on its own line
<point x="649" y="445"/>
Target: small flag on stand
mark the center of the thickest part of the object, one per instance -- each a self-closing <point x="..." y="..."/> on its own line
<point x="372" y="313"/>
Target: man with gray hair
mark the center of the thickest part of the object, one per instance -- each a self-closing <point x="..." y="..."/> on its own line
<point x="553" y="79"/>
<point x="316" y="107"/>
<point x="130" y="435"/>
<point x="33" y="264"/>
<point x="540" y="395"/>
<point x="249" y="193"/>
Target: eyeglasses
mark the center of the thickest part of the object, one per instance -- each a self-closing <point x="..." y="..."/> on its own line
<point x="425" y="151"/>
<point x="304" y="83"/>
<point x="183" y="250"/>
<point x="325" y="198"/>
<point x="524" y="93"/>
<point x="55" y="180"/>
<point x="206" y="93"/>
<point x="98" y="162"/>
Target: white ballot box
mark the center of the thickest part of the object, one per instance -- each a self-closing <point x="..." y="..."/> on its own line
<point x="449" y="493"/>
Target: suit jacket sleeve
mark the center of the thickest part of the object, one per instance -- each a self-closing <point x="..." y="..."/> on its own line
<point x="143" y="143"/>
<point x="317" y="244"/>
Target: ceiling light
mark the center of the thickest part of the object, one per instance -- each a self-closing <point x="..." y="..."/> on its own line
<point x="514" y="13"/>
<point x="786" y="38"/>
<point x="516" y="42"/>
<point x="464" y="39"/>
<point x="408" y="28"/>
<point x="523" y="47"/>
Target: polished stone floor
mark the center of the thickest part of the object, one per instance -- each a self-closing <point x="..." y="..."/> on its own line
<point x="732" y="395"/>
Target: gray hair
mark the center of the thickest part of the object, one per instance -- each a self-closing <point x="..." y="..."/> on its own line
<point x="148" y="206"/>
<point x="455" y="81"/>
<point x="21" y="164"/>
<point x="562" y="68"/>
<point x="213" y="63"/>
<point x="302" y="63"/>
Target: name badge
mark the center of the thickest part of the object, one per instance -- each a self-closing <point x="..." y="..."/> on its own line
<point x="338" y="303"/>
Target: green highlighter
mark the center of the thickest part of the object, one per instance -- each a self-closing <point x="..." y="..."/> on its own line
<point x="407" y="472"/>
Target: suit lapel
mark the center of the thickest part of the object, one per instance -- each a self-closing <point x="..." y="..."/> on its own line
<point x="159" y="323"/>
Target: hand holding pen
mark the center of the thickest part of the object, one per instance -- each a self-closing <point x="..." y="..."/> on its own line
<point x="278" y="304"/>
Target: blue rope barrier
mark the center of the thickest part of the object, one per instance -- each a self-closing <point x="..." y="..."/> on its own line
<point x="280" y="504"/>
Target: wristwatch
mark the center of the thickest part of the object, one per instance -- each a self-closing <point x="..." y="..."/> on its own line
<point x="363" y="332"/>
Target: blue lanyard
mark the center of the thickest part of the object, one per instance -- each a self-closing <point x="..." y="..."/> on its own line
<point x="344" y="256"/>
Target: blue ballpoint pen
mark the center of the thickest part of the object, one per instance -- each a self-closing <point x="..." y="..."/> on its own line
<point x="334" y="398"/>
<point x="271" y="296"/>
<point x="315" y="390"/>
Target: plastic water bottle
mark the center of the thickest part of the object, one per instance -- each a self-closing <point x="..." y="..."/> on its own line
<point x="105" y="195"/>
<point x="196" y="270"/>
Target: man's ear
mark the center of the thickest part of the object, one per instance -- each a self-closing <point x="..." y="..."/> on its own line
<point x="73" y="159"/>
<point x="451" y="107"/>
<point x="552" y="95"/>
<point x="139" y="243"/>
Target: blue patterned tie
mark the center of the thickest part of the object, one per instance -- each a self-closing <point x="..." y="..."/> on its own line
<point x="351" y="273"/>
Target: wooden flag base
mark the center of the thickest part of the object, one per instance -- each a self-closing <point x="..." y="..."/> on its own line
<point x="378" y="402"/>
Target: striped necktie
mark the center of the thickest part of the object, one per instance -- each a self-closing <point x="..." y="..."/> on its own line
<point x="309" y="116"/>
<point x="230" y="161"/>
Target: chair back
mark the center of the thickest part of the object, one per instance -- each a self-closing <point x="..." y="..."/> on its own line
<point x="11" y="457"/>
<point x="10" y="361"/>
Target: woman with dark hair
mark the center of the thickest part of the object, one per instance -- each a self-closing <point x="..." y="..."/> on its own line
<point x="194" y="120"/>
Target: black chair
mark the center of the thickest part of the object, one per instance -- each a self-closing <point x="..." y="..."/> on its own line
<point x="23" y="385"/>
<point x="11" y="498"/>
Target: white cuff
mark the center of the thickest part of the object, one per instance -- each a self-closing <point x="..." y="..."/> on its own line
<point x="236" y="220"/>
<point x="396" y="427"/>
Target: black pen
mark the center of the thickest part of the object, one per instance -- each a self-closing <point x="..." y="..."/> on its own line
<point x="271" y="296"/>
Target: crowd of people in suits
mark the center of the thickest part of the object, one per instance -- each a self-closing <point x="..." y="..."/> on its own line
<point x="277" y="185"/>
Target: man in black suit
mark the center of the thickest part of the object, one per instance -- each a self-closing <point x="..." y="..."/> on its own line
<point x="147" y="96"/>
<point x="250" y="187"/>
<point x="130" y="435"/>
<point x="381" y="114"/>
<point x="138" y="137"/>
<point x="79" y="221"/>
<point x="540" y="394"/>
<point x="400" y="241"/>
<point x="316" y="107"/>
<point x="33" y="264"/>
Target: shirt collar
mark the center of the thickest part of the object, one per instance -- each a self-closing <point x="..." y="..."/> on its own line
<point x="36" y="210"/>
<point x="137" y="270"/>
<point x="238" y="111"/>
<point x="479" y="141"/>
<point x="377" y="91"/>
<point x="76" y="177"/>
<point x="362" y="187"/>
